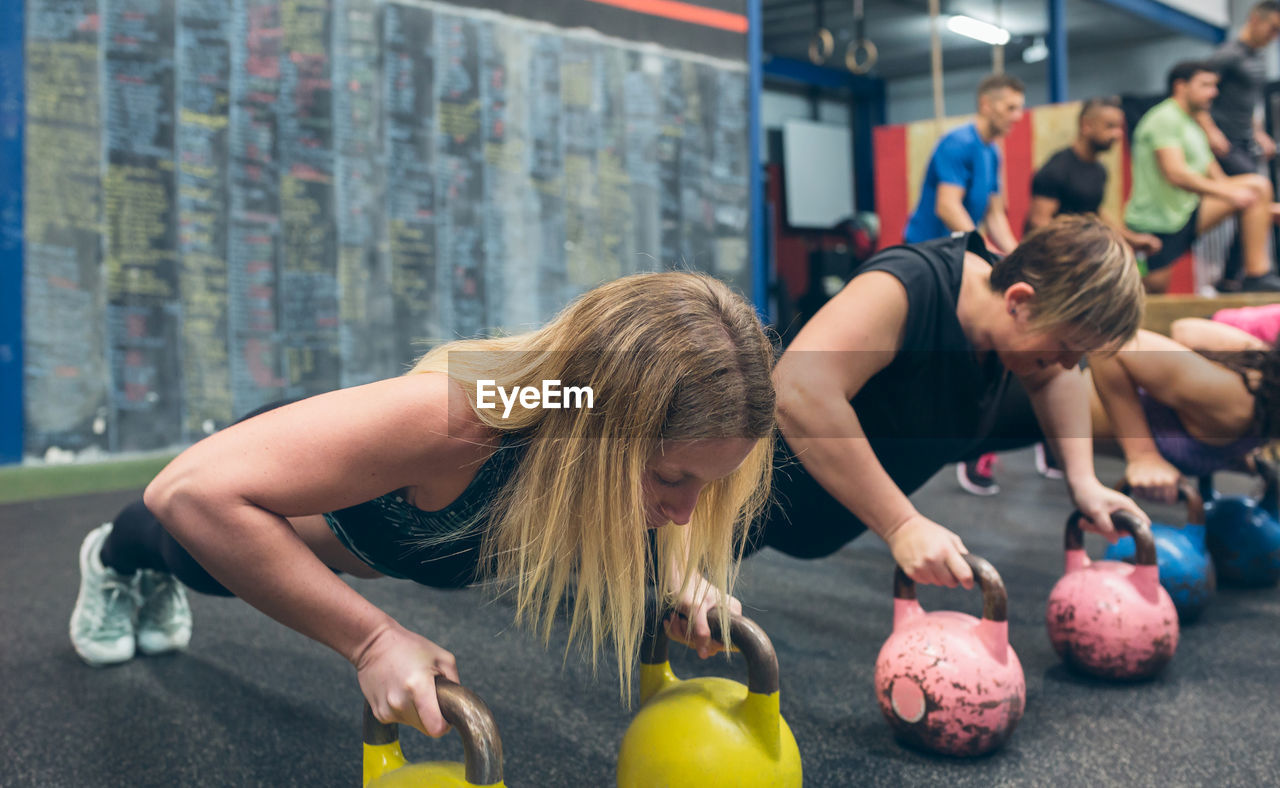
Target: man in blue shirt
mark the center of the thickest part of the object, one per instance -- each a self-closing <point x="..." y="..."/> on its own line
<point x="962" y="183"/>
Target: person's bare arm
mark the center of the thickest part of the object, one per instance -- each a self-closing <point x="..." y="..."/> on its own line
<point x="997" y="222"/>
<point x="1218" y="142"/>
<point x="1060" y="398"/>
<point x="1173" y="165"/>
<point x="949" y="207"/>
<point x="226" y="499"/>
<point x="1176" y="376"/>
<point x="1204" y="334"/>
<point x="1146" y="471"/>
<point x="853" y="337"/>
<point x="1141" y="242"/>
<point x="1265" y="144"/>
<point x="1042" y="211"/>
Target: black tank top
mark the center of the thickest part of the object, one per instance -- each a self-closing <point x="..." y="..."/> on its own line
<point x="936" y="400"/>
<point x="388" y="533"/>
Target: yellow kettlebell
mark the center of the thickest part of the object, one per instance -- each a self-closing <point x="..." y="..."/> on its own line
<point x="385" y="765"/>
<point x="709" y="732"/>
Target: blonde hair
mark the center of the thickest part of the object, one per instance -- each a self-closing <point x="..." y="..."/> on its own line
<point x="1084" y="275"/>
<point x="669" y="356"/>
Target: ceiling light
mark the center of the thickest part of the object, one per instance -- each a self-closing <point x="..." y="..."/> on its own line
<point x="976" y="29"/>
<point x="1035" y="53"/>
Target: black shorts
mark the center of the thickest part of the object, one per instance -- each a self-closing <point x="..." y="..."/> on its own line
<point x="1174" y="245"/>
<point x="1240" y="160"/>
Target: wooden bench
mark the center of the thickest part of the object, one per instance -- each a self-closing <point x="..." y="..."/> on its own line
<point x="1162" y="310"/>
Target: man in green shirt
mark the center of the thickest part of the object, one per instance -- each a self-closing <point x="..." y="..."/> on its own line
<point x="1180" y="191"/>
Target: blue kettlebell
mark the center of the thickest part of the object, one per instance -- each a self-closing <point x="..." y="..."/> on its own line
<point x="1244" y="534"/>
<point x="1185" y="569"/>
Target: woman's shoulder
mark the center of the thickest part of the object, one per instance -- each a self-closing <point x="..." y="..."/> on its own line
<point x="446" y="409"/>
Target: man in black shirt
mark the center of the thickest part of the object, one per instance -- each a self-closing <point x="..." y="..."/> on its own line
<point x="1073" y="181"/>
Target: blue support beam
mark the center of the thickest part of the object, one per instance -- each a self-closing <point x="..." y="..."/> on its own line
<point x="1172" y="18"/>
<point x="868" y="112"/>
<point x="1057" y="43"/>
<point x="755" y="173"/>
<point x="804" y="73"/>
<point x="12" y="116"/>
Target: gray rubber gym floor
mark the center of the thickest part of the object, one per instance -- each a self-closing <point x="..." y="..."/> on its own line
<point x="254" y="704"/>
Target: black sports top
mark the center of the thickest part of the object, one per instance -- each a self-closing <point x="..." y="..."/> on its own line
<point x="1079" y="186"/>
<point x="936" y="400"/>
<point x="388" y="532"/>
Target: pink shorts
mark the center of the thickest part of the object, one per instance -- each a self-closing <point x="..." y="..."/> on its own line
<point x="1261" y="321"/>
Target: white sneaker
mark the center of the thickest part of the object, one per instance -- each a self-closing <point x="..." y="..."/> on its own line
<point x="164" y="616"/>
<point x="102" y="622"/>
<point x="1047" y="464"/>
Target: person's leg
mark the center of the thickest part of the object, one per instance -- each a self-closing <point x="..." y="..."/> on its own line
<point x="1255" y="222"/>
<point x="803" y="520"/>
<point x="139" y="541"/>
<point x="130" y="596"/>
<point x="1237" y="161"/>
<point x="1173" y="246"/>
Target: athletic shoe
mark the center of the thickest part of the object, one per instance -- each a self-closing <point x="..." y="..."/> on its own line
<point x="975" y="476"/>
<point x="1047" y="463"/>
<point x="102" y="622"/>
<point x="164" y="616"/>
<point x="1270" y="283"/>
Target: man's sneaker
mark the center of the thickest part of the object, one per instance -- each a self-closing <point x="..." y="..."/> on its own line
<point x="164" y="616"/>
<point x="1269" y="283"/>
<point x="1047" y="463"/>
<point x="975" y="476"/>
<point x="102" y="622"/>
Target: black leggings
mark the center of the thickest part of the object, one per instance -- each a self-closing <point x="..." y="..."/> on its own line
<point x="139" y="541"/>
<point x="805" y="521"/>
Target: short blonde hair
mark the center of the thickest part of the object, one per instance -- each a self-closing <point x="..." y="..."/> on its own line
<point x="1084" y="275"/>
<point x="669" y="356"/>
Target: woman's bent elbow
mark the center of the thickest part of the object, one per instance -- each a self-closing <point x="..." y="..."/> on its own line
<point x="166" y="492"/>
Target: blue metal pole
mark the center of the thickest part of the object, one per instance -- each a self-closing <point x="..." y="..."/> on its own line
<point x="868" y="112"/>
<point x="12" y="111"/>
<point x="1057" y="42"/>
<point x="804" y="73"/>
<point x="755" y="173"/>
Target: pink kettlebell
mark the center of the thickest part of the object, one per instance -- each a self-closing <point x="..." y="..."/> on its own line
<point x="1108" y="618"/>
<point x="947" y="681"/>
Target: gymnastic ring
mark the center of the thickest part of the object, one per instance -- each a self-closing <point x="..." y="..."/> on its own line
<point x="821" y="45"/>
<point x="867" y="48"/>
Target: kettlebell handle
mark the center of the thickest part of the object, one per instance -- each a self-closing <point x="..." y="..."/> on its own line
<point x="746" y="636"/>
<point x="464" y="710"/>
<point x="1270" y="500"/>
<point x="995" y="600"/>
<point x="1187" y="492"/>
<point x="1144" y="542"/>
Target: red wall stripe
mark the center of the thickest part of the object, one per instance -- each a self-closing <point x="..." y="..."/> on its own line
<point x="1018" y="156"/>
<point x="683" y="12"/>
<point x="890" y="143"/>
<point x="1183" y="281"/>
